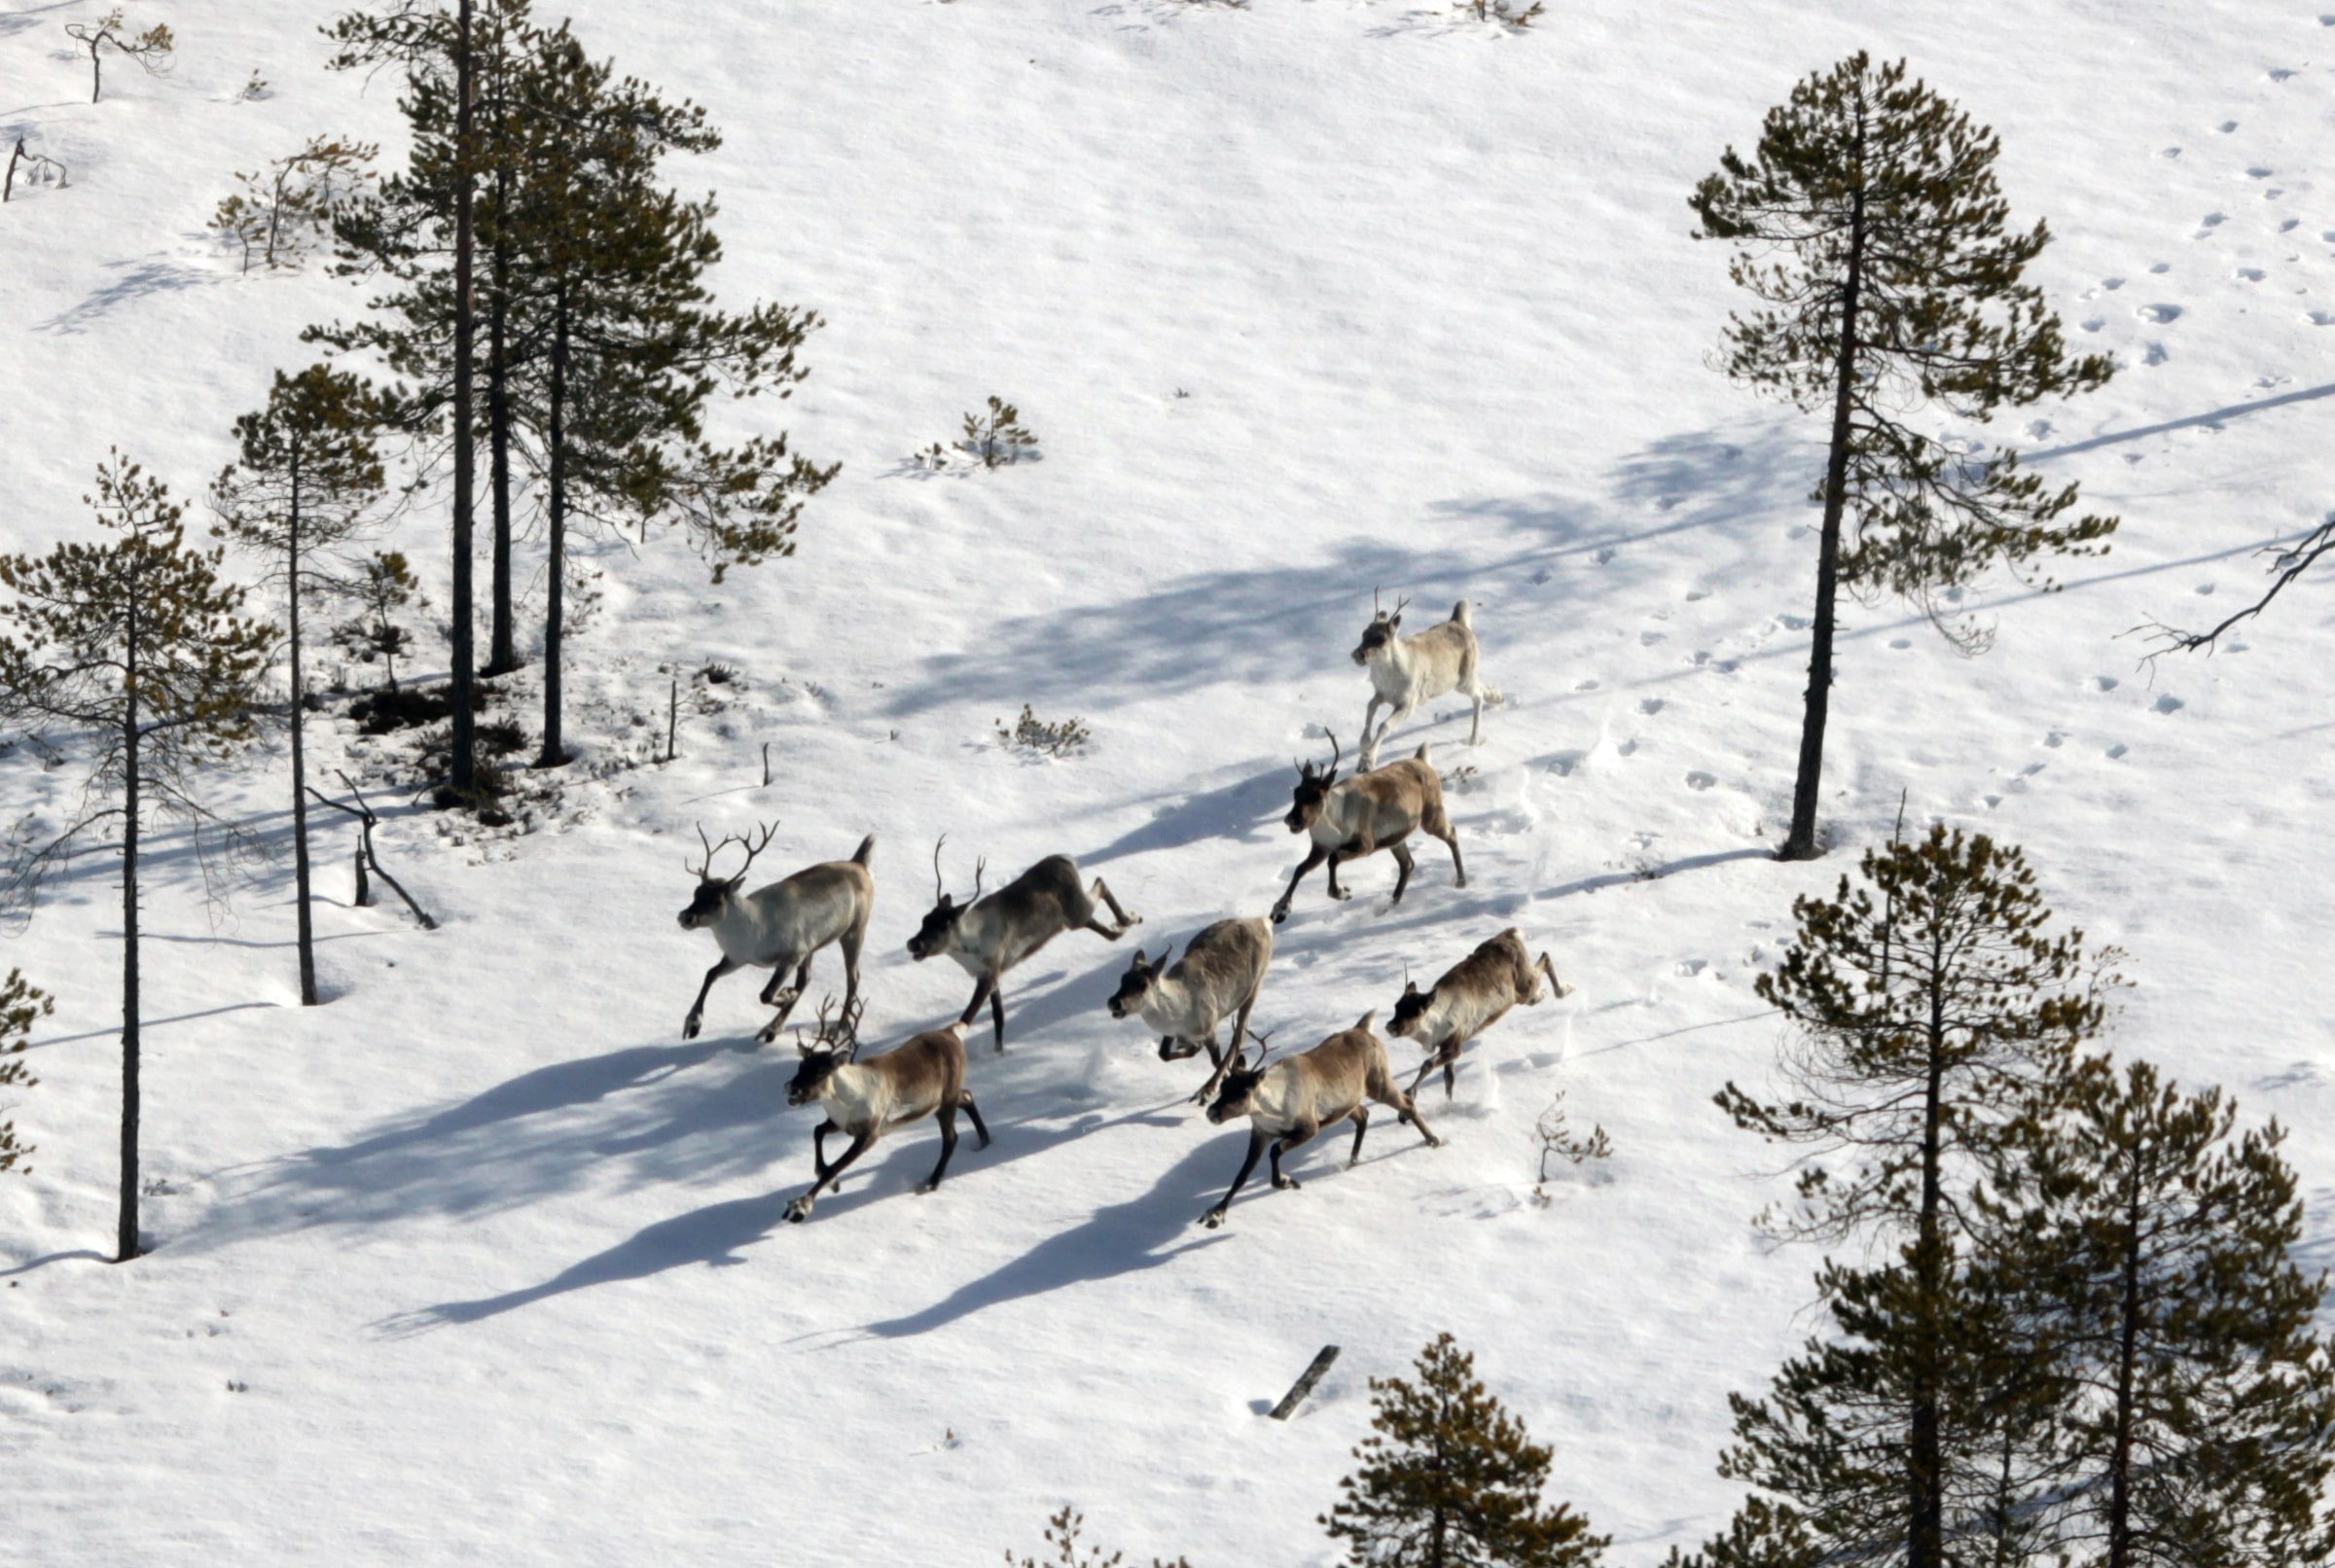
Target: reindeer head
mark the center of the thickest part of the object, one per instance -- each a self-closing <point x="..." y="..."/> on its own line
<point x="714" y="893"/>
<point x="1410" y="1008"/>
<point x="832" y="1043"/>
<point x="1313" y="786"/>
<point x="1235" y="1096"/>
<point x="1137" y="984"/>
<point x="936" y="936"/>
<point x="1380" y="634"/>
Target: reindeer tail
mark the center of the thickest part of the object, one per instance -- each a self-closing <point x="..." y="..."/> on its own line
<point x="1459" y="612"/>
<point x="865" y="854"/>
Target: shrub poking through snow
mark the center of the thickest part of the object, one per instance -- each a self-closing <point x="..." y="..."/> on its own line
<point x="279" y="214"/>
<point x="1448" y="1477"/>
<point x="19" y="1004"/>
<point x="996" y="437"/>
<point x="1509" y="13"/>
<point x="39" y="169"/>
<point x="151" y="49"/>
<point x="1558" y="1140"/>
<point x="383" y="585"/>
<point x="1061" y="1535"/>
<point x="1031" y="733"/>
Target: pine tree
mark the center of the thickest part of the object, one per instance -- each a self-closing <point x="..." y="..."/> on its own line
<point x="19" y="1004"/>
<point x="307" y="479"/>
<point x="138" y="645"/>
<point x="1872" y="232"/>
<point x="2202" y="1430"/>
<point x="422" y="232"/>
<point x="1449" y="1481"/>
<point x="1937" y="1016"/>
<point x="383" y="584"/>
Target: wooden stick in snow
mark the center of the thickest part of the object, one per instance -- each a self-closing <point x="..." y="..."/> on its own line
<point x="1305" y="1384"/>
<point x="365" y="819"/>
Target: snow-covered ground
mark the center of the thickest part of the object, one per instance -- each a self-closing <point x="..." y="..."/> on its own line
<point x="482" y="1263"/>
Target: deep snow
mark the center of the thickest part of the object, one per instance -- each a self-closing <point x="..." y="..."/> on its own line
<point x="1303" y="301"/>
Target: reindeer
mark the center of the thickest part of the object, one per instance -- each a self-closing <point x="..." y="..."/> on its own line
<point x="1221" y="972"/>
<point x="1368" y="813"/>
<point x="1406" y="671"/>
<point x="921" y="1076"/>
<point x="779" y="927"/>
<point x="1472" y="996"/>
<point x="990" y="936"/>
<point x="1292" y="1100"/>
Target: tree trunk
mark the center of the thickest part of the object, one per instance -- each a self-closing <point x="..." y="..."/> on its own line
<point x="554" y="754"/>
<point x="502" y="655"/>
<point x="1801" y="844"/>
<point x="463" y="740"/>
<point x="1925" y="1470"/>
<point x="307" y="938"/>
<point x="2128" y="1346"/>
<point x="125" y="1228"/>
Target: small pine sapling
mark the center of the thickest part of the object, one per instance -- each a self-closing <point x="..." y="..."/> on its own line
<point x="19" y="1004"/>
<point x="1062" y="1534"/>
<point x="39" y="169"/>
<point x="151" y="49"/>
<point x="279" y="214"/>
<point x="383" y="585"/>
<point x="996" y="436"/>
<point x="254" y="89"/>
<point x="1450" y="1478"/>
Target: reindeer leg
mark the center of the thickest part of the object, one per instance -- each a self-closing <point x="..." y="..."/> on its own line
<point x="784" y="1002"/>
<point x="1450" y="1071"/>
<point x="1355" y="848"/>
<point x="1100" y="891"/>
<point x="982" y="988"/>
<point x="964" y="1097"/>
<point x="697" y="1009"/>
<point x="948" y="1120"/>
<point x="1369" y="756"/>
<point x="1402" y="871"/>
<point x="1434" y="1060"/>
<point x="1409" y="1112"/>
<point x="1442" y="829"/>
<point x="1221" y="1061"/>
<point x="1257" y="1137"/>
<point x="1281" y="910"/>
<point x="818" y="1146"/>
<point x="1555" y="985"/>
<point x="1361" y="1118"/>
<point x="800" y="1209"/>
<point x="997" y="1016"/>
<point x="1296" y="1137"/>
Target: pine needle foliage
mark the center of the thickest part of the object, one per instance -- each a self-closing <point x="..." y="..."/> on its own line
<point x="151" y="49"/>
<point x="1869" y="228"/>
<point x="2201" y="1428"/>
<point x="306" y="481"/>
<point x="384" y="584"/>
<point x="20" y="1004"/>
<point x="279" y="214"/>
<point x="137" y="646"/>
<point x="1449" y="1480"/>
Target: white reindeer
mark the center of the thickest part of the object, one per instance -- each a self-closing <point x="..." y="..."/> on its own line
<point x="1406" y="671"/>
<point x="779" y="927"/>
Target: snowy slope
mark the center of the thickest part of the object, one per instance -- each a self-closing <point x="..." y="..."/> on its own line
<point x="500" y="1260"/>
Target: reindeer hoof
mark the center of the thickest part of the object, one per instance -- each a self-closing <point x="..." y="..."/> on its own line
<point x="769" y="1033"/>
<point x="798" y="1211"/>
<point x="1280" y="913"/>
<point x="1340" y="894"/>
<point x="1212" y="1219"/>
<point x="688" y="1027"/>
<point x="1287" y="1184"/>
<point x="928" y="1187"/>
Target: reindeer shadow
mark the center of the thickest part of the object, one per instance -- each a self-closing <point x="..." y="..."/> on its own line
<point x="1122" y="1238"/>
<point x="1243" y="810"/>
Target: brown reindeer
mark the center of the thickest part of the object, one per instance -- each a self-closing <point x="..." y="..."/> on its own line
<point x="1292" y="1100"/>
<point x="1470" y="997"/>
<point x="922" y="1076"/>
<point x="990" y="936"/>
<point x="1364" y="814"/>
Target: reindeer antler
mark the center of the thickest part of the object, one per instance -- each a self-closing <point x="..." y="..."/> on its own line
<point x="1335" y="751"/>
<point x="939" y="893"/>
<point x="1398" y="608"/>
<point x="1260" y="1038"/>
<point x="753" y="844"/>
<point x="980" y="864"/>
<point x="839" y="1033"/>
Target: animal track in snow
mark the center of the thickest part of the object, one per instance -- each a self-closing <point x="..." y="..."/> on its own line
<point x="2259" y="174"/>
<point x="2252" y="274"/>
<point x="1562" y="764"/>
<point x="1700" y="780"/>
<point x="2290" y="226"/>
<point x="2160" y="267"/>
<point x="1650" y="707"/>
<point x="2106" y="682"/>
<point x="1604" y="555"/>
<point x="2154" y="354"/>
<point x="2117" y="751"/>
<point x="1628" y="748"/>
<point x="2322" y="319"/>
<point x="2095" y="323"/>
<point x="2281" y="75"/>
<point x="2226" y="127"/>
<point x="2214" y="220"/>
<point x="1901" y="643"/>
<point x="1647" y="639"/>
<point x="1588" y="685"/>
<point x="2160" y="313"/>
<point x="2054" y="740"/>
<point x="2168" y="703"/>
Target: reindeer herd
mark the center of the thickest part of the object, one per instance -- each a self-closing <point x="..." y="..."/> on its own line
<point x="783" y="926"/>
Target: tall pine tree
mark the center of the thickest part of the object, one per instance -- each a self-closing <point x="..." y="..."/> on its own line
<point x="1936" y="1013"/>
<point x="1449" y="1480"/>
<point x="307" y="479"/>
<point x="137" y="646"/>
<point x="2200" y="1431"/>
<point x="1871" y="231"/>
